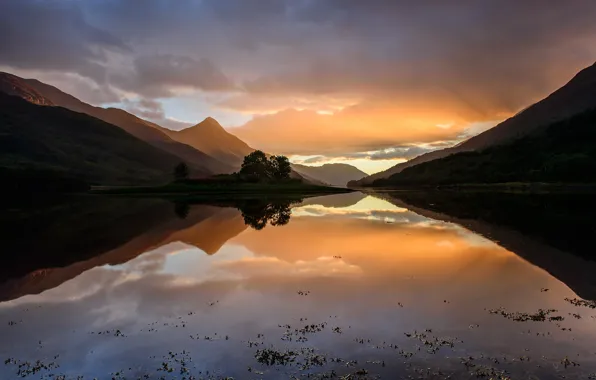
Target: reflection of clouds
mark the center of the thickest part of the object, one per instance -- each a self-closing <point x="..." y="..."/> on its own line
<point x="445" y="244"/>
<point x="354" y="263"/>
<point x="364" y="205"/>
<point x="271" y="266"/>
<point x="152" y="261"/>
<point x="397" y="215"/>
<point x="353" y="266"/>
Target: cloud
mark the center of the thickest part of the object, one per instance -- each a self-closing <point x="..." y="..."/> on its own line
<point x="354" y="129"/>
<point x="54" y="36"/>
<point x="160" y="75"/>
<point x="406" y="152"/>
<point x="314" y="160"/>
<point x="391" y="72"/>
<point x="145" y="108"/>
<point x="152" y="110"/>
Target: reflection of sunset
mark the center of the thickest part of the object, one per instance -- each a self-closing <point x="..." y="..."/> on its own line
<point x="271" y="266"/>
<point x="379" y="247"/>
<point x="337" y="261"/>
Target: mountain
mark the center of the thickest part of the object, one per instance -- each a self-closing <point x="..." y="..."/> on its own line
<point x="563" y="152"/>
<point x="32" y="89"/>
<point x="15" y="86"/>
<point x="206" y="147"/>
<point x="211" y="138"/>
<point x="333" y="174"/>
<point x="46" y="143"/>
<point x="578" y="95"/>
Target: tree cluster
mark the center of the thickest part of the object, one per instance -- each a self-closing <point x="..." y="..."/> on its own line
<point x="257" y="167"/>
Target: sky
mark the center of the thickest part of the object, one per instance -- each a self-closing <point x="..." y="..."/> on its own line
<point x="370" y="83"/>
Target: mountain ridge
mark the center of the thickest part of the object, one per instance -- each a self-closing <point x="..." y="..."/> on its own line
<point x="37" y="139"/>
<point x="199" y="162"/>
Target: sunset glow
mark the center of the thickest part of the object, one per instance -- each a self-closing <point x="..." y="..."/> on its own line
<point x="334" y="79"/>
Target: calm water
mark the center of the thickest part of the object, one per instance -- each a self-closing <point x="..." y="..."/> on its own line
<point x="350" y="285"/>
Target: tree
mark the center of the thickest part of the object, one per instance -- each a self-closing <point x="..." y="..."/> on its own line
<point x="181" y="172"/>
<point x="258" y="167"/>
<point x="255" y="166"/>
<point x="279" y="167"/>
<point x="258" y="213"/>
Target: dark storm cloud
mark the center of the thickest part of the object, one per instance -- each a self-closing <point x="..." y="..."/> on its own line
<point x="490" y="55"/>
<point x="54" y="35"/>
<point x="466" y="47"/>
<point x="157" y="75"/>
<point x="430" y="63"/>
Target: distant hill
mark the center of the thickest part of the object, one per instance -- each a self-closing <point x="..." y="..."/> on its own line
<point x="32" y="90"/>
<point x="211" y="138"/>
<point x="333" y="174"/>
<point x="56" y="142"/>
<point x="578" y="95"/>
<point x="563" y="152"/>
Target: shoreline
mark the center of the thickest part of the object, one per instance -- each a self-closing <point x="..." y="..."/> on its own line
<point x="222" y="190"/>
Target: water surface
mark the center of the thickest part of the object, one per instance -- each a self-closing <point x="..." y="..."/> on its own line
<point x="345" y="285"/>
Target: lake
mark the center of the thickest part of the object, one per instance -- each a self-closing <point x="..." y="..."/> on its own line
<point x="350" y="286"/>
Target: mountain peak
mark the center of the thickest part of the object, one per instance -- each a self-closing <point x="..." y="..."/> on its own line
<point x="209" y="123"/>
<point x="210" y="137"/>
<point x="209" y="119"/>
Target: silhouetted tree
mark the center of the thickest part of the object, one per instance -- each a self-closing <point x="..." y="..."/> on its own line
<point x="181" y="172"/>
<point x="255" y="166"/>
<point x="281" y="214"/>
<point x="257" y="213"/>
<point x="279" y="167"/>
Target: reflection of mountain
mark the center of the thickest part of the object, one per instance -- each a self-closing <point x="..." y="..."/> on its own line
<point x="552" y="231"/>
<point x="336" y="201"/>
<point x="65" y="239"/>
<point x="61" y="241"/>
<point x="38" y="232"/>
<point x="210" y="227"/>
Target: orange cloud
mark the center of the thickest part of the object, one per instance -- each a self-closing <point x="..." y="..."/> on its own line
<point x="356" y="128"/>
